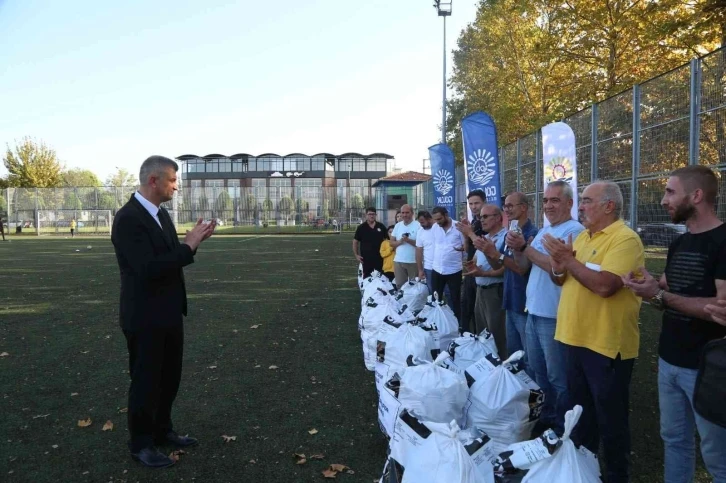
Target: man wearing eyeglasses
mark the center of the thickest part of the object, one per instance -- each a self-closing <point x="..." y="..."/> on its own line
<point x="367" y="243"/>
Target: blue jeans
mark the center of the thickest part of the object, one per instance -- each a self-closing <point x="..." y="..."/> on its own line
<point x="678" y="422"/>
<point x="517" y="337"/>
<point x="547" y="361"/>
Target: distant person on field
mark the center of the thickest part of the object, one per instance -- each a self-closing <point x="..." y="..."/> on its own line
<point x="387" y="254"/>
<point x="153" y="306"/>
<point x="2" y="228"/>
<point x="73" y="227"/>
<point x="367" y="243"/>
<point x="693" y="280"/>
<point x="403" y="240"/>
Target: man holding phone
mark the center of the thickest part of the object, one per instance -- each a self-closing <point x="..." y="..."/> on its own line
<point x="403" y="240"/>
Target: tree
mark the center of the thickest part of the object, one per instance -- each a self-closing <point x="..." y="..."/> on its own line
<point x="77" y="177"/>
<point x="267" y="208"/>
<point x="71" y="201"/>
<point x="224" y="205"/>
<point x="32" y="165"/>
<point x="121" y="178"/>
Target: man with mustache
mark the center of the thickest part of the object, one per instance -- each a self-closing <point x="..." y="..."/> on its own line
<point x="693" y="281"/>
<point x="597" y="323"/>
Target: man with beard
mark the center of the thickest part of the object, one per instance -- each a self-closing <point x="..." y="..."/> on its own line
<point x="425" y="250"/>
<point x="597" y="323"/>
<point x="694" y="278"/>
<point x="476" y="200"/>
<point x="447" y="266"/>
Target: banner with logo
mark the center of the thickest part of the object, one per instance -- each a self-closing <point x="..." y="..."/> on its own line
<point x="442" y="173"/>
<point x="479" y="136"/>
<point x="558" y="156"/>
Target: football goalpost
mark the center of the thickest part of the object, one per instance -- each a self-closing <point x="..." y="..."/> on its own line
<point x="58" y="222"/>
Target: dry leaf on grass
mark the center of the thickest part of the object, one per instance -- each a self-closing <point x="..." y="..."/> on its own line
<point x="108" y="426"/>
<point x="317" y="457"/>
<point x="123" y="410"/>
<point x="339" y="468"/>
<point x="212" y="367"/>
<point x="255" y="326"/>
<point x="74" y="394"/>
<point x="329" y="474"/>
<point x="227" y="439"/>
<point x="273" y="367"/>
<point x="300" y="458"/>
<point x="4" y="354"/>
<point x="313" y="431"/>
<point x="174" y="455"/>
<point x="84" y="423"/>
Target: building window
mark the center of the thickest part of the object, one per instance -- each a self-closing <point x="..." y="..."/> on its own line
<point x="225" y="166"/>
<point x="280" y="188"/>
<point x="316" y="164"/>
<point x="233" y="188"/>
<point x="359" y="165"/>
<point x="308" y="195"/>
<point x="238" y="166"/>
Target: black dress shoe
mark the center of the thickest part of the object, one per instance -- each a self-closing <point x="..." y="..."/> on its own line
<point x="152" y="458"/>
<point x="173" y="438"/>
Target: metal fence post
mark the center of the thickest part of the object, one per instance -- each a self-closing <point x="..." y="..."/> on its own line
<point x="695" y="107"/>
<point x="519" y="163"/>
<point x="594" y="119"/>
<point x="636" y="158"/>
<point x="537" y="177"/>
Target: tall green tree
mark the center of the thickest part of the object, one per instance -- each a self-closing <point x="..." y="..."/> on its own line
<point x="121" y="177"/>
<point x="77" y="177"/>
<point x="32" y="164"/>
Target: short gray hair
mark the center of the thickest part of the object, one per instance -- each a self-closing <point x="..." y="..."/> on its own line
<point x="564" y="186"/>
<point x="612" y="192"/>
<point x="153" y="166"/>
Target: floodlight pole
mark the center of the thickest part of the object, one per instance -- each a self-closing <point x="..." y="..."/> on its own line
<point x="443" y="9"/>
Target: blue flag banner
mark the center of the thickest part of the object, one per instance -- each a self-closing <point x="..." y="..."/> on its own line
<point x="442" y="172"/>
<point x="481" y="156"/>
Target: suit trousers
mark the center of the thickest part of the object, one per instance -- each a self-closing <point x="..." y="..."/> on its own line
<point x="490" y="315"/>
<point x="155" y="367"/>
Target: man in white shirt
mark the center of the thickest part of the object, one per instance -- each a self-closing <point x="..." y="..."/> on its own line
<point x="448" y="256"/>
<point x="425" y="250"/>
<point x="403" y="240"/>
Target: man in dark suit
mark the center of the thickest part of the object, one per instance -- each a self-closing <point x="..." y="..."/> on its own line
<point x="153" y="303"/>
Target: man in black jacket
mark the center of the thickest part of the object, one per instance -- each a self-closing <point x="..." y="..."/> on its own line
<point x="153" y="303"/>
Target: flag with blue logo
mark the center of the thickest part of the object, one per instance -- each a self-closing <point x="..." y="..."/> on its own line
<point x="560" y="162"/>
<point x="481" y="156"/>
<point x="442" y="174"/>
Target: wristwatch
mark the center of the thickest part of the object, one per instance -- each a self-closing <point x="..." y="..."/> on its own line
<point x="657" y="300"/>
<point x="501" y="258"/>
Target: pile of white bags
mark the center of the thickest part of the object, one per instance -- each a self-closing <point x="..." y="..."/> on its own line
<point x="438" y="318"/>
<point x="413" y="294"/>
<point x="503" y="401"/>
<point x="469" y="348"/>
<point x="374" y="281"/>
<point x="372" y="318"/>
<point x="428" y="452"/>
<point x="395" y="347"/>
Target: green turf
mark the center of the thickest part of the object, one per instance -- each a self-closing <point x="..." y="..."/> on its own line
<point x="58" y="322"/>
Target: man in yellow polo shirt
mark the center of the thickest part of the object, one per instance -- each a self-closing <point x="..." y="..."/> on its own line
<point x="597" y="323"/>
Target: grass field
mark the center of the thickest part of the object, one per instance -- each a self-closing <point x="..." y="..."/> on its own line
<point x="67" y="362"/>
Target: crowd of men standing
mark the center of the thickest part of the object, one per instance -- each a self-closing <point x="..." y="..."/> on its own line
<point x="569" y="295"/>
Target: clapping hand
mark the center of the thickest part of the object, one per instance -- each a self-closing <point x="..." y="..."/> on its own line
<point x="642" y="283"/>
<point x="486" y="246"/>
<point x="471" y="268"/>
<point x="515" y="240"/>
<point x="717" y="312"/>
<point x="561" y="253"/>
<point x="199" y="233"/>
<point x="465" y="228"/>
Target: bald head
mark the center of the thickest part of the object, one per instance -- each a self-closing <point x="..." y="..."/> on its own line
<point x="516" y="206"/>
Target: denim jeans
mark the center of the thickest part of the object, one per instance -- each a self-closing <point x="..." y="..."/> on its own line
<point x="678" y="422"/>
<point x="547" y="362"/>
<point x="517" y="336"/>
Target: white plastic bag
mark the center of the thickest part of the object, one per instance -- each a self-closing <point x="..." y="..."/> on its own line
<point x="521" y="456"/>
<point x="360" y="277"/>
<point x="433" y="393"/>
<point x="369" y="323"/>
<point x="376" y="280"/>
<point x="438" y="318"/>
<point x="569" y="463"/>
<point x="413" y="294"/>
<point x="503" y="400"/>
<point x="394" y="347"/>
<point x="427" y="452"/>
<point x="469" y="348"/>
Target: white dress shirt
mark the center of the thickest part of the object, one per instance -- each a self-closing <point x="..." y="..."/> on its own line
<point x="150" y="207"/>
<point x="447" y="259"/>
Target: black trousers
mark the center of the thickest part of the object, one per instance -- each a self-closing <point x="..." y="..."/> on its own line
<point x="468" y="305"/>
<point x="155" y="367"/>
<point x="600" y="385"/>
<point x="453" y="281"/>
<point x="371" y="261"/>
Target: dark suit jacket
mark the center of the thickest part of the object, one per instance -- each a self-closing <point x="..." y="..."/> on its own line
<point x="153" y="293"/>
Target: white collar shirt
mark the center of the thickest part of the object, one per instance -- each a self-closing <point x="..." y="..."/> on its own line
<point x="150" y="207"/>
<point x="447" y="259"/>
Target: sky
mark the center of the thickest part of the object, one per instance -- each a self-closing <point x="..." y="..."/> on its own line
<point x="107" y="84"/>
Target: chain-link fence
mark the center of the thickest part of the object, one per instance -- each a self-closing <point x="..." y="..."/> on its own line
<point x="237" y="210"/>
<point x="636" y="138"/>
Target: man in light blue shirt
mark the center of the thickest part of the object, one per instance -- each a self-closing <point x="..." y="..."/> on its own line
<point x="403" y="240"/>
<point x="546" y="357"/>
<point x="488" y="311"/>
